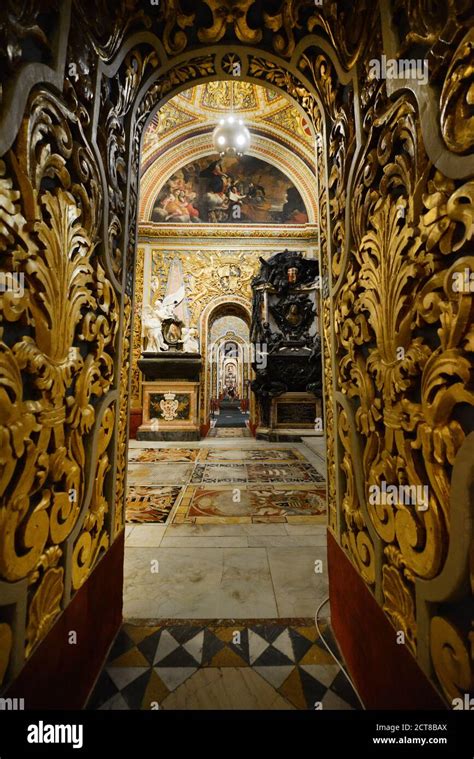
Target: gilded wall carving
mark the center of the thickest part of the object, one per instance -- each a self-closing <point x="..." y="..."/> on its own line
<point x="58" y="340"/>
<point x="122" y="436"/>
<point x="397" y="214"/>
<point x="211" y="278"/>
<point x="232" y="12"/>
<point x="404" y="341"/>
<point x="208" y="275"/>
<point x="135" y="389"/>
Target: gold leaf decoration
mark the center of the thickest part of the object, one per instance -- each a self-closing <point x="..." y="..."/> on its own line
<point x="451" y="656"/>
<point x="355" y="537"/>
<point x="399" y="605"/>
<point x="393" y="231"/>
<point x="226" y="12"/>
<point x="135" y="395"/>
<point x="457" y="99"/>
<point x="94" y="538"/>
<point x="119" y="518"/>
<point x="172" y="14"/>
<point x="44" y="607"/>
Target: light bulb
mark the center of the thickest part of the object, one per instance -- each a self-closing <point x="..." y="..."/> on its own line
<point x="231" y="136"/>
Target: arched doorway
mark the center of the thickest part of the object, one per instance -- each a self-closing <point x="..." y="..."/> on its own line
<point x="231" y="372"/>
<point x="227" y="327"/>
<point x="76" y="162"/>
<point x="239" y="489"/>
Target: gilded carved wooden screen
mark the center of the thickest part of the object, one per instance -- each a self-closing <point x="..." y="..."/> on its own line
<point x="395" y="186"/>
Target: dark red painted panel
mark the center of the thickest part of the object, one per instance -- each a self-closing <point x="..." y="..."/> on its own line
<point x="384" y="672"/>
<point x="60" y="675"/>
<point x="136" y="416"/>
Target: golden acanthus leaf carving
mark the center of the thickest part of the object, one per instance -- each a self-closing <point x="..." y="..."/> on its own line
<point x="59" y="358"/>
<point x="286" y="21"/>
<point x="433" y="26"/>
<point x="329" y="420"/>
<point x="200" y="66"/>
<point x="448" y="221"/>
<point x="137" y="327"/>
<point x="378" y="309"/>
<point x="391" y="263"/>
<point x="173" y="16"/>
<point x="107" y="23"/>
<point x="137" y="64"/>
<point x="399" y="604"/>
<point x="391" y="269"/>
<point x="319" y="69"/>
<point x="405" y="341"/>
<point x="44" y="607"/>
<point x="64" y="283"/>
<point x="347" y="28"/>
<point x="327" y="336"/>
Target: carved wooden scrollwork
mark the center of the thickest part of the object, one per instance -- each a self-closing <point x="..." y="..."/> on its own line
<point x="457" y="117"/>
<point x="58" y="335"/>
<point x="233" y="12"/>
<point x="396" y="223"/>
<point x="405" y="341"/>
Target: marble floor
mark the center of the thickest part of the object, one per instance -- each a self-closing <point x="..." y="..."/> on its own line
<point x="244" y="546"/>
<point x="229" y="432"/>
<point x="225" y="567"/>
<point x="192" y="665"/>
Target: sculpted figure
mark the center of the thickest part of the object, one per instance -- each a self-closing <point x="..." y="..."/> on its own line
<point x="153" y="318"/>
<point x="190" y="341"/>
<point x="153" y="335"/>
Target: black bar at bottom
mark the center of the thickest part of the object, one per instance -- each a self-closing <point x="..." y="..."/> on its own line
<point x="373" y="734"/>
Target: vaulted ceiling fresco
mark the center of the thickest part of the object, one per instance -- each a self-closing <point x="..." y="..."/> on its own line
<point x="262" y="107"/>
<point x="182" y="129"/>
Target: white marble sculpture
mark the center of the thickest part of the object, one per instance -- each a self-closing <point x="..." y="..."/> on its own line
<point x="153" y="317"/>
<point x="152" y="332"/>
<point x="190" y="341"/>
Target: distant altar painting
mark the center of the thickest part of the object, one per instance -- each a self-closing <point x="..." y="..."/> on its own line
<point x="229" y="190"/>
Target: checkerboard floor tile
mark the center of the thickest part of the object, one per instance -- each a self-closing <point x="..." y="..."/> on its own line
<point x="271" y="664"/>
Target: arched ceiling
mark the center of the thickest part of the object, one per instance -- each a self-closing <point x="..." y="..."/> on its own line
<point x="183" y="127"/>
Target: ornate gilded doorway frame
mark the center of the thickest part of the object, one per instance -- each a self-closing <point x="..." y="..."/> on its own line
<point x="395" y="223"/>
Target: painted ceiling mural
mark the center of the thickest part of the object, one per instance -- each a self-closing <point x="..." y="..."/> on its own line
<point x="396" y="224"/>
<point x="206" y="102"/>
<point x="180" y="132"/>
<point x="229" y="190"/>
